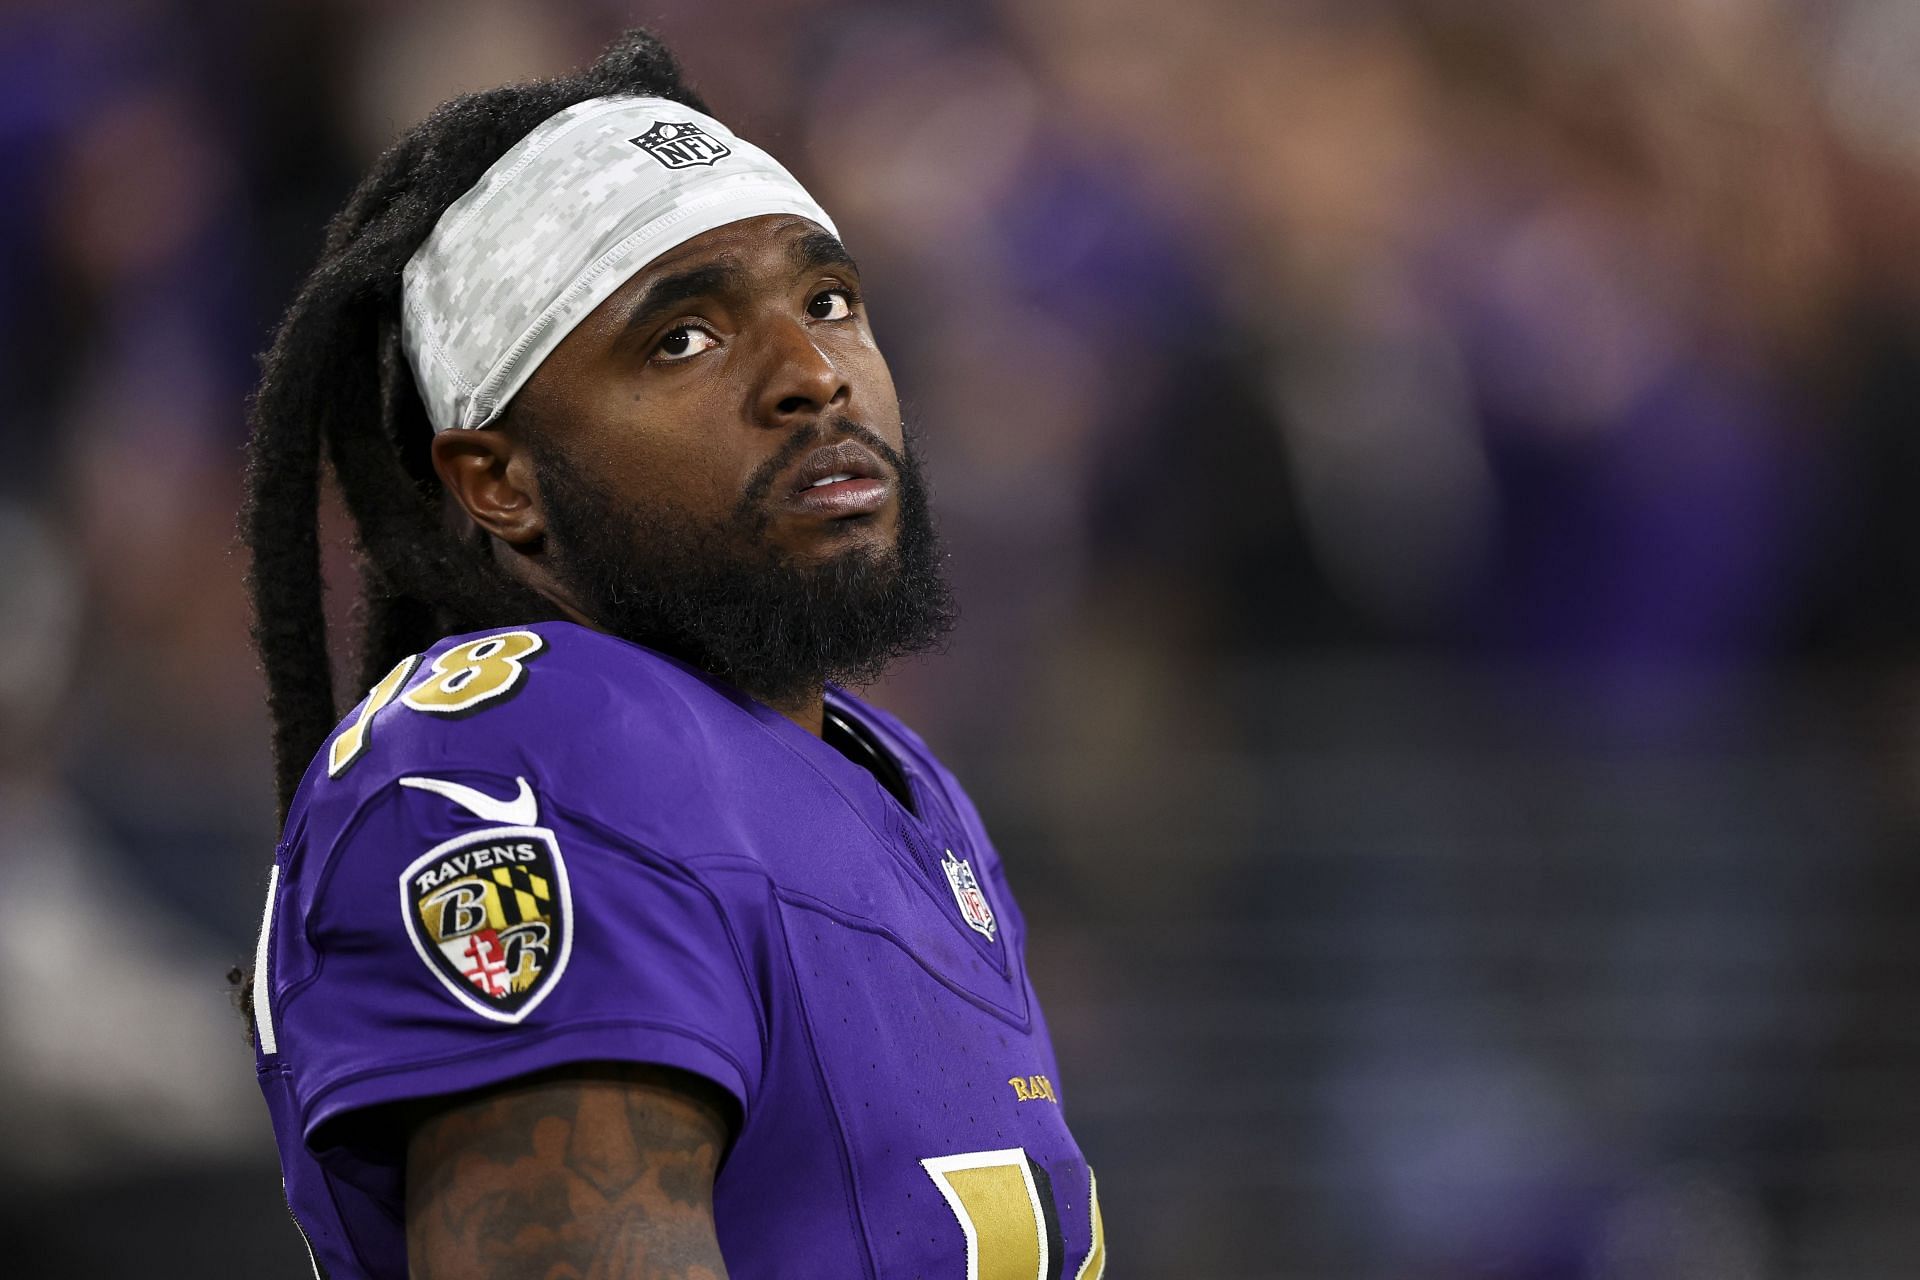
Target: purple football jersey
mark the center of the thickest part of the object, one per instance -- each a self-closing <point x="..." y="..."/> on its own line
<point x="549" y="846"/>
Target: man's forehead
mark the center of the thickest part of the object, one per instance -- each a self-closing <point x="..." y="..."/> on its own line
<point x="764" y="252"/>
<point x="772" y="242"/>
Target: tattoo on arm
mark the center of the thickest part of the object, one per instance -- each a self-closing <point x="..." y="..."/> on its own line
<point x="597" y="1173"/>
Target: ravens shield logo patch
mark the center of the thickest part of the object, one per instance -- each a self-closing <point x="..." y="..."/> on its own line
<point x="492" y="916"/>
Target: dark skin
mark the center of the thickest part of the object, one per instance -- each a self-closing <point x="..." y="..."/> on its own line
<point x="678" y="407"/>
<point x="606" y="1171"/>
<point x="601" y="1172"/>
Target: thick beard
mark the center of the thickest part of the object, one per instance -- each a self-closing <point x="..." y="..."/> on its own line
<point x="719" y="595"/>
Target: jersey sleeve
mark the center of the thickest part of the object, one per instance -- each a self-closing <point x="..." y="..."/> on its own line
<point x="463" y="924"/>
<point x="441" y="952"/>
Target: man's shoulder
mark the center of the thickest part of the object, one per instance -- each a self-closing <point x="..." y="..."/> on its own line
<point x="581" y="713"/>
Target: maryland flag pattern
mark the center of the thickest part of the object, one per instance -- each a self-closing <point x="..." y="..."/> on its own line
<point x="490" y="916"/>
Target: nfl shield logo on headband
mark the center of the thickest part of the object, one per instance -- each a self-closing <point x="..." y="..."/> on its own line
<point x="681" y="146"/>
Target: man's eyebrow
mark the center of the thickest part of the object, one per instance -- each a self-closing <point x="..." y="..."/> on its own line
<point x="669" y="291"/>
<point x="819" y="249"/>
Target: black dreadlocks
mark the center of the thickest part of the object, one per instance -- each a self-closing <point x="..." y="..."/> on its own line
<point x="336" y="384"/>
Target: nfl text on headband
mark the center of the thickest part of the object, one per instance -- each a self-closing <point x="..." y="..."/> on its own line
<point x="558" y="223"/>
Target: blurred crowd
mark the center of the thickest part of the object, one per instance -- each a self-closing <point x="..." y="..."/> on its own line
<point x="1391" y="451"/>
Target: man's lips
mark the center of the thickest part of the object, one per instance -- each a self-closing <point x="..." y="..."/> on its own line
<point x="840" y="480"/>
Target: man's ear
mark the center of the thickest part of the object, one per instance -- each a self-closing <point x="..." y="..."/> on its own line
<point x="490" y="475"/>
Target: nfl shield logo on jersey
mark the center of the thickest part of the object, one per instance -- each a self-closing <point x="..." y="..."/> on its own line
<point x="974" y="908"/>
<point x="679" y="145"/>
<point x="491" y="915"/>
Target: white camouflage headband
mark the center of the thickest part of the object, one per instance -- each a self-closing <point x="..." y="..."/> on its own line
<point x="559" y="222"/>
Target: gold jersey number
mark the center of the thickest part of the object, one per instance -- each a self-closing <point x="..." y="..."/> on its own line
<point x="1003" y="1216"/>
<point x="463" y="679"/>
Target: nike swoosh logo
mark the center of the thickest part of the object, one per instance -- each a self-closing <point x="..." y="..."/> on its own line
<point x="521" y="811"/>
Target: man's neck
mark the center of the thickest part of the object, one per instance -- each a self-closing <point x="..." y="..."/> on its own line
<point x="808" y="710"/>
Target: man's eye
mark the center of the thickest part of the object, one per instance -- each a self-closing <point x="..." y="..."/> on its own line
<point x="683" y="341"/>
<point x="833" y="304"/>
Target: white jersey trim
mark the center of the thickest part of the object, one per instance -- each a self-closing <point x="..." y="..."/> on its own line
<point x="262" y="995"/>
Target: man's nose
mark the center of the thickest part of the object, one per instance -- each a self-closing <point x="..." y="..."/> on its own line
<point x="801" y="380"/>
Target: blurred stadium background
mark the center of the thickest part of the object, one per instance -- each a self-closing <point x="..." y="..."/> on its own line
<point x="1433" y="488"/>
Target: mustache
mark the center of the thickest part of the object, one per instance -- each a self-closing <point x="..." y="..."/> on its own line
<point x="811" y="436"/>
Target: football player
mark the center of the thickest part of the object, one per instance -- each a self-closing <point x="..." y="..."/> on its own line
<point x="608" y="935"/>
